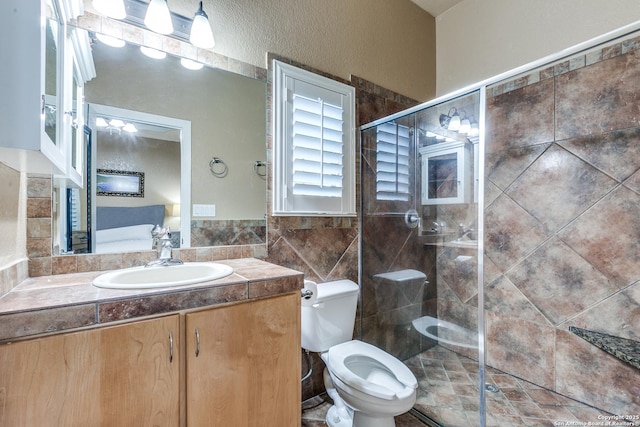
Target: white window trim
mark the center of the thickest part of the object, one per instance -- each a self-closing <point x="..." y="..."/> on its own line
<point x="281" y="161"/>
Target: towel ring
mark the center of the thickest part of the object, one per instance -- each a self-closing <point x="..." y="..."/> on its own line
<point x="256" y="168"/>
<point x="222" y="171"/>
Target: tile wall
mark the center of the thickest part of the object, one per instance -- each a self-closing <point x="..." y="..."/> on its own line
<point x="389" y="246"/>
<point x="562" y="225"/>
<point x="324" y="248"/>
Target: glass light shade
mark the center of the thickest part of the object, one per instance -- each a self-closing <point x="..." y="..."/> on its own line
<point x="201" y="34"/>
<point x="111" y="8"/>
<point x="158" y="17"/>
<point x="465" y="126"/>
<point x="190" y="65"/>
<point x="153" y="53"/>
<point x="101" y="123"/>
<point x="110" y="40"/>
<point x="454" y="123"/>
<point x="129" y="127"/>
<point x="116" y="123"/>
<point x="474" y="131"/>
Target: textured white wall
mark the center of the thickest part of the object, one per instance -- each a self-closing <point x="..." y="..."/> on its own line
<point x="391" y="43"/>
<point x="478" y="39"/>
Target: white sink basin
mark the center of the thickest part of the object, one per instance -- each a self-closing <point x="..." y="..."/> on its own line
<point x="161" y="277"/>
<point x="462" y="243"/>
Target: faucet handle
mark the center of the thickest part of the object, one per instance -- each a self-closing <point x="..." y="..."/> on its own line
<point x="157" y="231"/>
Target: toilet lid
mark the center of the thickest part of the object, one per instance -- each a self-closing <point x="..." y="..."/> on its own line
<point x="339" y="354"/>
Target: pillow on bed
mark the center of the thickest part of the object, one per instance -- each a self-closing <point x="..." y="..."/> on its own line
<point x="132" y="232"/>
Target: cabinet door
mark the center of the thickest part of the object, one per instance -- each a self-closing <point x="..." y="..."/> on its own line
<point x="140" y="373"/>
<point x="114" y="376"/>
<point x="50" y="381"/>
<point x="243" y="364"/>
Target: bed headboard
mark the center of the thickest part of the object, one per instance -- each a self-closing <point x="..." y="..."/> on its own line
<point x="117" y="216"/>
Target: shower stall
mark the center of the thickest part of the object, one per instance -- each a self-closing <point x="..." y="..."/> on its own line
<point x="499" y="240"/>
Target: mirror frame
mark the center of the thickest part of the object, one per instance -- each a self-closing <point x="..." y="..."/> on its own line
<point x="185" y="160"/>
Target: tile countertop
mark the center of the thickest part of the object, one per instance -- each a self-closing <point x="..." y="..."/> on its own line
<point x="624" y="349"/>
<point x="67" y="301"/>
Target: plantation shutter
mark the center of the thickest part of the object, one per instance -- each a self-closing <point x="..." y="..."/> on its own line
<point x="74" y="213"/>
<point x="317" y="147"/>
<point x="314" y="144"/>
<point x="392" y="164"/>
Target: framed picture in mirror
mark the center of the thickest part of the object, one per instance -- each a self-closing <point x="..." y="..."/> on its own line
<point x="111" y="182"/>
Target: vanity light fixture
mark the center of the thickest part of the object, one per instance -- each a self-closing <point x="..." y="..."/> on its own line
<point x="465" y="125"/>
<point x="111" y="8"/>
<point x="129" y="127"/>
<point x="190" y="64"/>
<point x="110" y="40"/>
<point x="116" y="123"/>
<point x="454" y="122"/>
<point x="201" y="34"/>
<point x="158" y="17"/>
<point x="445" y="119"/>
<point x="473" y="130"/>
<point x="153" y="53"/>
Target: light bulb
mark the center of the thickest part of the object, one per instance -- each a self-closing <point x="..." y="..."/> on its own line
<point x="101" y="123"/>
<point x="116" y="123"/>
<point x="158" y="17"/>
<point x="111" y="8"/>
<point x="201" y="34"/>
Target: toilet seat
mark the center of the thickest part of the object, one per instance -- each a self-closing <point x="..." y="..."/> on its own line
<point x="386" y="377"/>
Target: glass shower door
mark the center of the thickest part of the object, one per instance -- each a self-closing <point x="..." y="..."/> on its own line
<point x="419" y="248"/>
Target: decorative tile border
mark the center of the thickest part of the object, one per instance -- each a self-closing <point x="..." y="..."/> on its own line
<point x="601" y="53"/>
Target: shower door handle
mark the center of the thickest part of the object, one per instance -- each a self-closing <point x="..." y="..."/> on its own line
<point x="412" y="218"/>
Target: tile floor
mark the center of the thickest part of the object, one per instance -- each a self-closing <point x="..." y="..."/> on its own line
<point x="448" y="394"/>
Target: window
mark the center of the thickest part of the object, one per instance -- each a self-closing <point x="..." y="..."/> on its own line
<point x="314" y="144"/>
<point x="392" y="162"/>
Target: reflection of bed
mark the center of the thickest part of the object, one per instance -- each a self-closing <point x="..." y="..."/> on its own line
<point x="126" y="229"/>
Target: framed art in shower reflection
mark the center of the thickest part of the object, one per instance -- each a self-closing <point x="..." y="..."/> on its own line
<point x="119" y="183"/>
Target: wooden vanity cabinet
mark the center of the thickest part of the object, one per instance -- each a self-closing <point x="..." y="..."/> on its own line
<point x="113" y="376"/>
<point x="241" y="368"/>
<point x="243" y="364"/>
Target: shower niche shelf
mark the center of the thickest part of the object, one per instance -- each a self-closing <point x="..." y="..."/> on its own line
<point x="624" y="349"/>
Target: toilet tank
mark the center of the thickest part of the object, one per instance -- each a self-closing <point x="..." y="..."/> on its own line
<point x="329" y="315"/>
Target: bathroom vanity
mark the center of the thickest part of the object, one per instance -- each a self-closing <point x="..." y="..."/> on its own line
<point x="225" y="352"/>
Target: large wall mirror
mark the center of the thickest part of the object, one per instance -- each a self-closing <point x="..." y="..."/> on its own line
<point x="144" y="115"/>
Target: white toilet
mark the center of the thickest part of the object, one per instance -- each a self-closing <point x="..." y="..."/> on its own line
<point x="369" y="386"/>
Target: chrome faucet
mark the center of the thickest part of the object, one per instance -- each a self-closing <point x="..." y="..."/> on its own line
<point x="462" y="232"/>
<point x="162" y="245"/>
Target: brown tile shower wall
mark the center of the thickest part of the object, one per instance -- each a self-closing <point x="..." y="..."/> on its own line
<point x="324" y="248"/>
<point x="388" y="245"/>
<point x="562" y="224"/>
